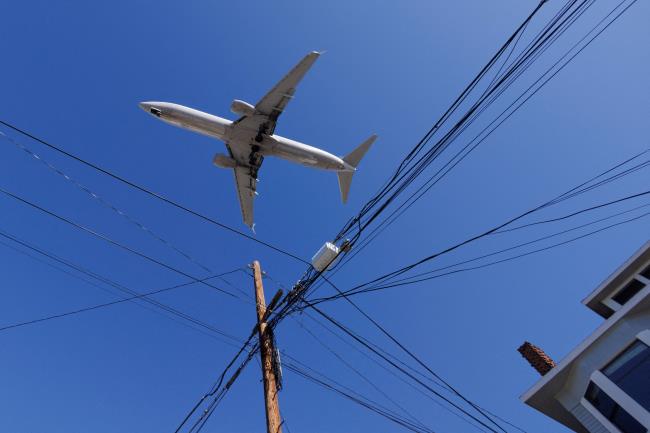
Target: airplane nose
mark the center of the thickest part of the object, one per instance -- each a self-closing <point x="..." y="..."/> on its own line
<point x="150" y="108"/>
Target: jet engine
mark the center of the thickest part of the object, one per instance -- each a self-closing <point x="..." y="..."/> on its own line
<point x="242" y="108"/>
<point x="224" y="161"/>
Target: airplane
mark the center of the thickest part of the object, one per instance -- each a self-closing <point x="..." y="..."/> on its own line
<point x="251" y="138"/>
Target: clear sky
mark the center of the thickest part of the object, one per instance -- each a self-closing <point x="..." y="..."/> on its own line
<point x="73" y="73"/>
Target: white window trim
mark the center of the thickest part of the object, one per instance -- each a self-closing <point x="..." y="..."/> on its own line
<point x="599" y="416"/>
<point x="644" y="336"/>
<point x="617" y="394"/>
<point x="621" y="398"/>
<point x="615" y="306"/>
<point x="611" y="303"/>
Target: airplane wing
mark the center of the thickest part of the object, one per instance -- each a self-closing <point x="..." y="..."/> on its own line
<point x="246" y="186"/>
<point x="269" y="108"/>
<point x="247" y="133"/>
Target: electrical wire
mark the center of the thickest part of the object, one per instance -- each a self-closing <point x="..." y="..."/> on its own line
<point x="389" y="361"/>
<point x="427" y="377"/>
<point x="361" y="375"/>
<point x="105" y="280"/>
<point x="106" y="304"/>
<point x="410" y="353"/>
<point x="104" y="202"/>
<point x="218" y="390"/>
<point x="112" y="242"/>
<point x="387" y="286"/>
<point x="438" y="176"/>
<point x="151" y="193"/>
<point x="491" y="231"/>
<point x="570" y="215"/>
<point x="559" y="24"/>
<point x="354" y="396"/>
<point x="520" y="245"/>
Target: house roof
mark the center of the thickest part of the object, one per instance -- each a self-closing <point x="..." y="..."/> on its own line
<point x="615" y="281"/>
<point x="542" y="394"/>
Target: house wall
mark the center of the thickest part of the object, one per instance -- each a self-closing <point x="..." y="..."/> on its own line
<point x="589" y="421"/>
<point x="617" y="338"/>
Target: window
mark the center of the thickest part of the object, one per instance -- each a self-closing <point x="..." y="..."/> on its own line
<point x="612" y="411"/>
<point x="646" y="272"/>
<point x="630" y="371"/>
<point x="627" y="292"/>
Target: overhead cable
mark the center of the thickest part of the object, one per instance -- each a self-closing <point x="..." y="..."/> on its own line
<point x="151" y="193"/>
<point x="104" y="202"/>
<point x="111" y="241"/>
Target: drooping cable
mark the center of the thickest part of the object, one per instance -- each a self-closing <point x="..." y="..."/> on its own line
<point x="135" y="295"/>
<point x="395" y="365"/>
<point x="111" y="241"/>
<point x="518" y="256"/>
<point x="414" y="357"/>
<point x="151" y="193"/>
<point x="104" y="202"/>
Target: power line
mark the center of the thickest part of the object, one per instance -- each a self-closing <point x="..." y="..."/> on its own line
<point x="558" y="24"/>
<point x="106" y="304"/>
<point x="386" y="359"/>
<point x="387" y="286"/>
<point x="151" y="193"/>
<point x="438" y="176"/>
<point x="361" y="375"/>
<point x="308" y="372"/>
<point x="602" y="178"/>
<point x="523" y="244"/>
<point x="551" y="220"/>
<point x="404" y="364"/>
<point x="218" y="390"/>
<point x="400" y="181"/>
<point x="369" y="404"/>
<point x="135" y="295"/>
<point x="357" y="220"/>
<point x="472" y="239"/>
<point x="104" y="202"/>
<point x="413" y="356"/>
<point x="575" y="213"/>
<point x="111" y="241"/>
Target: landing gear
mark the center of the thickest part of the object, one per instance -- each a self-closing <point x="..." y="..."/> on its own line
<point x="255" y="159"/>
<point x="261" y="132"/>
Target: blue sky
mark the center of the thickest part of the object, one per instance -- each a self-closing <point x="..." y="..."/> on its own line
<point x="73" y="74"/>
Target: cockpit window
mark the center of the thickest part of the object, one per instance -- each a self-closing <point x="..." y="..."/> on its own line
<point x="155" y="111"/>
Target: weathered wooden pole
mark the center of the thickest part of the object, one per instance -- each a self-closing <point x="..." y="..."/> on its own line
<point x="273" y="420"/>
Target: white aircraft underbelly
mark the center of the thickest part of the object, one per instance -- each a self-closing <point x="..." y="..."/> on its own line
<point x="250" y="138"/>
<point x="301" y="153"/>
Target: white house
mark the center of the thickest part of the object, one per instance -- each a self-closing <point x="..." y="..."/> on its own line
<point x="603" y="385"/>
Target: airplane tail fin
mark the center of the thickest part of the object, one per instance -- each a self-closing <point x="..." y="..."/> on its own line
<point x="353" y="158"/>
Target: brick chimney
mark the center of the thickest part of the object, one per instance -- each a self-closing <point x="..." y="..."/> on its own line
<point x="539" y="360"/>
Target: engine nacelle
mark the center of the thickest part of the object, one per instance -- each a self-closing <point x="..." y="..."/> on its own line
<point x="242" y="108"/>
<point x="224" y="161"/>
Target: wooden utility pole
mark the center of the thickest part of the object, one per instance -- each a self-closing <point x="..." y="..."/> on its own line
<point x="273" y="421"/>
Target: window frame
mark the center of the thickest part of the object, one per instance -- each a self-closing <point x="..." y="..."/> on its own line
<point x="600" y="416"/>
<point x="643" y="269"/>
<point x="615" y="393"/>
<point x="615" y="306"/>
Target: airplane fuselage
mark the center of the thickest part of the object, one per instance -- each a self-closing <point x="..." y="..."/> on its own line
<point x="224" y="130"/>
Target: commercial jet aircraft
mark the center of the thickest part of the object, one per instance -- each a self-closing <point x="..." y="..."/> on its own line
<point x="250" y="138"/>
